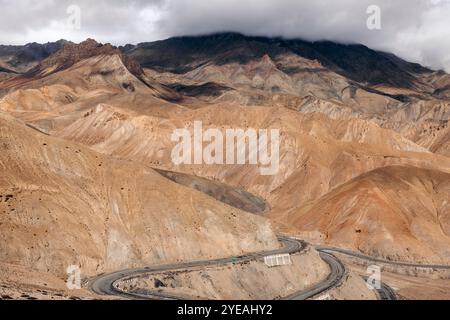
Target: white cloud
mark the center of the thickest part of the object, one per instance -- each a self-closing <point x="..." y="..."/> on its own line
<point x="416" y="30"/>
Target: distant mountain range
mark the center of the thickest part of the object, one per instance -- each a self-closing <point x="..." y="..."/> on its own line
<point x="23" y="57"/>
<point x="181" y="54"/>
<point x="357" y="62"/>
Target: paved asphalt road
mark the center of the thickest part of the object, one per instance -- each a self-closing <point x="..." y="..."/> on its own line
<point x="334" y="279"/>
<point x="371" y="259"/>
<point x="103" y="284"/>
<point x="384" y="293"/>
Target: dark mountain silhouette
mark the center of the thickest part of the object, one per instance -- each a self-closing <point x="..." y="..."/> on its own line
<point x="29" y="54"/>
<point x="354" y="61"/>
<point x="73" y="53"/>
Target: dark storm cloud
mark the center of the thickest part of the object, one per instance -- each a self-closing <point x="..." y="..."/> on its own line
<point x="417" y="30"/>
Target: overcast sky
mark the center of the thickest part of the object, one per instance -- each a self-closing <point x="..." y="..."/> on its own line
<point x="416" y="30"/>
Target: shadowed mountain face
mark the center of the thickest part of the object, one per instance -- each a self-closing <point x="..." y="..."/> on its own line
<point x="356" y="62"/>
<point x="70" y="54"/>
<point x="341" y="81"/>
<point x="234" y="197"/>
<point x="21" y="58"/>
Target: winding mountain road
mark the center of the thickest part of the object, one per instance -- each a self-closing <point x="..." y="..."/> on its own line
<point x="384" y="293"/>
<point x="337" y="272"/>
<point x="104" y="284"/>
<point x="377" y="260"/>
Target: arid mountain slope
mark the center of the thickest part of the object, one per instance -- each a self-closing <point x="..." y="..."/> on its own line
<point x="286" y="80"/>
<point x="61" y="96"/>
<point x="399" y="213"/>
<point x="341" y="81"/>
<point x="187" y="53"/>
<point x="316" y="153"/>
<point x="23" y="58"/>
<point x="62" y="204"/>
<point x="73" y="53"/>
<point x="337" y="124"/>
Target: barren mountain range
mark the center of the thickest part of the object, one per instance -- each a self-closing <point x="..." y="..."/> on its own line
<point x="87" y="176"/>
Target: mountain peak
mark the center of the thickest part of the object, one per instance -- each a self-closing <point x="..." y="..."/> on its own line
<point x="353" y="61"/>
<point x="72" y="53"/>
<point x="267" y="59"/>
<point x="90" y="41"/>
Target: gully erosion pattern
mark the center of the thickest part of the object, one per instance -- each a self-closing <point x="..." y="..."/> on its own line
<point x="106" y="284"/>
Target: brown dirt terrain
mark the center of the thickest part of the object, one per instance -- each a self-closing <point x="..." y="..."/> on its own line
<point x="397" y="213"/>
<point x="363" y="159"/>
<point x="63" y="204"/>
<point x="242" y="281"/>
